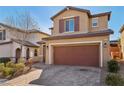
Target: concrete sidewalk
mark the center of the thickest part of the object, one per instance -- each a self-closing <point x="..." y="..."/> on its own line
<point x="24" y="80"/>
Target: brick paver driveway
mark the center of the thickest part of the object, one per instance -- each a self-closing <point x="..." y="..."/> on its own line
<point x="56" y="75"/>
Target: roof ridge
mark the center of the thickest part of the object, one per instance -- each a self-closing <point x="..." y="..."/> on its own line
<point x="71" y="7"/>
<point x="22" y="30"/>
<point x="83" y="10"/>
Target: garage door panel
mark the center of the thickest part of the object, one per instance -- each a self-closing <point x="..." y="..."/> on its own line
<point x="86" y="55"/>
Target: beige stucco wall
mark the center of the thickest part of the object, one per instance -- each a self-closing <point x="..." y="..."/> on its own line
<point x="15" y="46"/>
<point x="9" y="51"/>
<point x="6" y="50"/>
<point x="102" y="24"/>
<point x="35" y="37"/>
<point x="122" y="43"/>
<point x="14" y="34"/>
<point x="104" y="39"/>
<point x="24" y="48"/>
<point x="85" y="22"/>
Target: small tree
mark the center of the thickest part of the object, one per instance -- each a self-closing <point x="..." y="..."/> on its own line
<point x="22" y="20"/>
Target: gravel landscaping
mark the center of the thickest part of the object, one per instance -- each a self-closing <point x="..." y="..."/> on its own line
<point x="57" y="75"/>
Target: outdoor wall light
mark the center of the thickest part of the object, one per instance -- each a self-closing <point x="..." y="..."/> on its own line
<point x="105" y="44"/>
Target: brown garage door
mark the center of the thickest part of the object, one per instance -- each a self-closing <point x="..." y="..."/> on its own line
<point x="85" y="55"/>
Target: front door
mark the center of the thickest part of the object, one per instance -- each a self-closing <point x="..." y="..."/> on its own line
<point x="27" y="53"/>
<point x="18" y="54"/>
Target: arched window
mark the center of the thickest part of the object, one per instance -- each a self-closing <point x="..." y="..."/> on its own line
<point x="18" y="54"/>
<point x="35" y="52"/>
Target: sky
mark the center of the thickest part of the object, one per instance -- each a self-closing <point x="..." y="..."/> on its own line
<point x="42" y="15"/>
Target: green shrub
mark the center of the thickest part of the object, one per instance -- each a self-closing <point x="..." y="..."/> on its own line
<point x="7" y="71"/>
<point x="114" y="80"/>
<point x="4" y="60"/>
<point x="19" y="69"/>
<point x="21" y="60"/>
<point x="10" y="64"/>
<point x="1" y="64"/>
<point x="1" y="67"/>
<point x="11" y="69"/>
<point x="113" y="66"/>
<point x="19" y="66"/>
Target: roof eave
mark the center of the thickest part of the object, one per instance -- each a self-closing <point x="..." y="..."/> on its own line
<point x="8" y="42"/>
<point x="83" y="10"/>
<point x="102" y="14"/>
<point x="107" y="32"/>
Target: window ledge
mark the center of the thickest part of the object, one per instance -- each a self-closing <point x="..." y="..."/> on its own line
<point x="69" y="32"/>
<point x="94" y="26"/>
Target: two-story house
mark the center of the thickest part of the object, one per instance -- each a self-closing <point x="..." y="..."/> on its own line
<point x="13" y="40"/>
<point x="78" y="38"/>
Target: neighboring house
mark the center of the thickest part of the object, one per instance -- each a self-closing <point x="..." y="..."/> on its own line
<point x="78" y="38"/>
<point x="115" y="49"/>
<point x="122" y="40"/>
<point x="13" y="39"/>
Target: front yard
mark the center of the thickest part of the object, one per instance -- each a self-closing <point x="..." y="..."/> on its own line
<point x="10" y="69"/>
<point x="60" y="75"/>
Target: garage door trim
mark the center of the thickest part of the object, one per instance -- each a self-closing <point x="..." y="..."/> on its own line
<point x="68" y="43"/>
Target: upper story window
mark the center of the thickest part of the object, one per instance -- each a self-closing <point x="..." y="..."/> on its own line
<point x="2" y="35"/>
<point x="94" y="22"/>
<point x="69" y="25"/>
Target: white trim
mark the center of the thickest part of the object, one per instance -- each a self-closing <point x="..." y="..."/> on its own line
<point x="84" y="42"/>
<point x="95" y="19"/>
<point x="69" y="25"/>
<point x="68" y="17"/>
<point x="101" y="54"/>
<point x="50" y="54"/>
